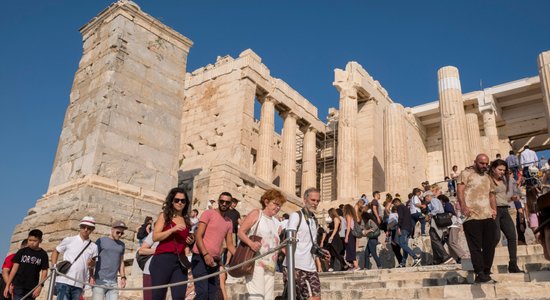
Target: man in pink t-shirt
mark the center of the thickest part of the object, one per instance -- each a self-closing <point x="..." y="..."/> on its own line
<point x="214" y="227"/>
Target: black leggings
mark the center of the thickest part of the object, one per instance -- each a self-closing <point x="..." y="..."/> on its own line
<point x="506" y="225"/>
<point x="165" y="268"/>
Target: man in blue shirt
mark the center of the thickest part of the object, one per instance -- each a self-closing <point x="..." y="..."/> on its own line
<point x="513" y="163"/>
<point x="439" y="253"/>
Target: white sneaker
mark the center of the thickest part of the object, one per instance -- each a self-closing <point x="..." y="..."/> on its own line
<point x="416" y="262"/>
<point x="449" y="261"/>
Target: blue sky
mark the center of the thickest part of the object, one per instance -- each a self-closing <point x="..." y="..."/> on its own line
<point x="400" y="43"/>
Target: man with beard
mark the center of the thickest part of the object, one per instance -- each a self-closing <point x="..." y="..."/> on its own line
<point x="478" y="205"/>
<point x="214" y="227"/>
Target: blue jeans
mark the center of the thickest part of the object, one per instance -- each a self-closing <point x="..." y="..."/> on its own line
<point x="67" y="292"/>
<point x="205" y="289"/>
<point x="403" y="241"/>
<point x="99" y="293"/>
<point x="19" y="293"/>
<point x="418" y="217"/>
<point x="370" y="249"/>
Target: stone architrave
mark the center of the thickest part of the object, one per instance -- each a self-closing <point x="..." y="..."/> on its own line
<point x="264" y="158"/>
<point x="309" y="159"/>
<point x="474" y="136"/>
<point x="288" y="164"/>
<point x="453" y="119"/>
<point x="395" y="154"/>
<point x="490" y="126"/>
<point x="346" y="172"/>
<point x="544" y="75"/>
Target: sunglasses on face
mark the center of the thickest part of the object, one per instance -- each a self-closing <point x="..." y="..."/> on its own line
<point x="178" y="200"/>
<point x="223" y="202"/>
<point x="121" y="233"/>
<point x="87" y="228"/>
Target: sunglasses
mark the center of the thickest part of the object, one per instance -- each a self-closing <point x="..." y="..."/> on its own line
<point x="178" y="200"/>
<point x="223" y="202"/>
<point x="87" y="228"/>
<point x="121" y="233"/>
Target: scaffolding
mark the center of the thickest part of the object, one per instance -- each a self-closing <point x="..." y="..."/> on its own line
<point x="327" y="180"/>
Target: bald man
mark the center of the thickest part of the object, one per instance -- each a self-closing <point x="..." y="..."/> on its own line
<point x="478" y="204"/>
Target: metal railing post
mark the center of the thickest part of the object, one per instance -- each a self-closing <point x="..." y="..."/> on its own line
<point x="290" y="251"/>
<point x="52" y="284"/>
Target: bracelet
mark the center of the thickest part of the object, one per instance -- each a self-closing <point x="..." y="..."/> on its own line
<point x="205" y="254"/>
<point x="122" y="277"/>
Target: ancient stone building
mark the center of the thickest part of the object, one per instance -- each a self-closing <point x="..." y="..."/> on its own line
<point x="137" y="124"/>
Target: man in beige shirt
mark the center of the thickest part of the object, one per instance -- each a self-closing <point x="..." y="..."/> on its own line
<point x="478" y="205"/>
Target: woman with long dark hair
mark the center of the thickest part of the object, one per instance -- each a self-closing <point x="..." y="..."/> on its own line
<point x="335" y="244"/>
<point x="172" y="232"/>
<point x="501" y="188"/>
<point x="350" y="240"/>
<point x="371" y="227"/>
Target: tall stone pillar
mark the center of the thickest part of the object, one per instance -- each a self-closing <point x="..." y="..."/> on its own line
<point x="490" y="127"/>
<point x="346" y="178"/>
<point x="474" y="136"/>
<point x="309" y="159"/>
<point x="395" y="151"/>
<point x="288" y="161"/>
<point x="264" y="157"/>
<point x="453" y="119"/>
<point x="544" y="74"/>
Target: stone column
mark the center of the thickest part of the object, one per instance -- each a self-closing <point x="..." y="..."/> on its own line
<point x="264" y="157"/>
<point x="288" y="161"/>
<point x="346" y="177"/>
<point x="395" y="151"/>
<point x="490" y="127"/>
<point x="474" y="136"/>
<point x="544" y="74"/>
<point x="309" y="159"/>
<point x="453" y="119"/>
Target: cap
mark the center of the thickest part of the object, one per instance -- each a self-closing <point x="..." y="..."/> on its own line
<point x="428" y="193"/>
<point x="119" y="224"/>
<point x="543" y="206"/>
<point x="88" y="221"/>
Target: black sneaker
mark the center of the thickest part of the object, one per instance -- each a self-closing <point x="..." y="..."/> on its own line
<point x="513" y="268"/>
<point x="482" y="278"/>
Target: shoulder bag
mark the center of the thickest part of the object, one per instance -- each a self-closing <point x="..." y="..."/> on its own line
<point x="182" y="258"/>
<point x="376" y="230"/>
<point x="64" y="266"/>
<point x="357" y="229"/>
<point x="443" y="220"/>
<point x="244" y="253"/>
<point x="142" y="259"/>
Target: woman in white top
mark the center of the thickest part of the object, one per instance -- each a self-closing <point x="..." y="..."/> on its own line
<point x="262" y="282"/>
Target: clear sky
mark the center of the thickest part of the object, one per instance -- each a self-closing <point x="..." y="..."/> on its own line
<point x="400" y="43"/>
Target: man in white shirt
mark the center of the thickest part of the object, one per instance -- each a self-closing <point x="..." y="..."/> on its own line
<point x="82" y="265"/>
<point x="415" y="207"/>
<point x="527" y="159"/>
<point x="307" y="280"/>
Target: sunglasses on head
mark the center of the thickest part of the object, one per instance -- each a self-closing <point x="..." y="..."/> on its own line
<point x="178" y="200"/>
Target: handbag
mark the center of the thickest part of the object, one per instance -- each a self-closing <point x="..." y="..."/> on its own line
<point x="142" y="259"/>
<point x="443" y="220"/>
<point x="182" y="258"/>
<point x="357" y="229"/>
<point x="373" y="234"/>
<point x="244" y="253"/>
<point x="64" y="266"/>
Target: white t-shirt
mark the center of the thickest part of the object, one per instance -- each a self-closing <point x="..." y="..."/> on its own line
<point x="71" y="247"/>
<point x="414" y="201"/>
<point x="153" y="244"/>
<point x="303" y="258"/>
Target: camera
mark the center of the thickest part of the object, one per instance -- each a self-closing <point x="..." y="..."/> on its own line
<point x="317" y="251"/>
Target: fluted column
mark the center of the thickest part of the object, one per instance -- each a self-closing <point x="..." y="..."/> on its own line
<point x="474" y="136"/>
<point x="288" y="164"/>
<point x="544" y="74"/>
<point x="346" y="178"/>
<point x="490" y="127"/>
<point x="264" y="157"/>
<point x="395" y="151"/>
<point x="309" y="159"/>
<point x="453" y="119"/>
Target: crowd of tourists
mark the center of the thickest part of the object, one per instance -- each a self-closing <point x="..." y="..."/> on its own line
<point x="179" y="244"/>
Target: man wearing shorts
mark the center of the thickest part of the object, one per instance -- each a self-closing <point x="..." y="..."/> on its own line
<point x="306" y="277"/>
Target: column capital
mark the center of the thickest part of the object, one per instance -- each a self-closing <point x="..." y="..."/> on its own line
<point x="346" y="88"/>
<point x="290" y="114"/>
